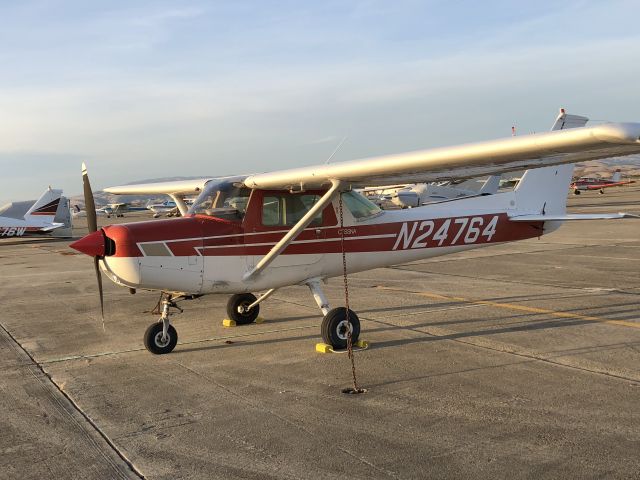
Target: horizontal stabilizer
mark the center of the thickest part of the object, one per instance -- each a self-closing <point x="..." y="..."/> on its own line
<point x="52" y="227"/>
<point x="570" y="217"/>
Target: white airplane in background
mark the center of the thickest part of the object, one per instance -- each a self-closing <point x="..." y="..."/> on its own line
<point x="168" y="207"/>
<point x="409" y="196"/>
<point x="119" y="209"/>
<point x="19" y="220"/>
<point x="302" y="226"/>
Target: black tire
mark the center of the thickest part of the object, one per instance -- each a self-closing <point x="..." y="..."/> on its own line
<point x="334" y="327"/>
<point x="576" y="192"/>
<point x="601" y="191"/>
<point x="234" y="307"/>
<point x="153" y="339"/>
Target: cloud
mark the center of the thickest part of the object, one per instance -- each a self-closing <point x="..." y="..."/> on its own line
<point x="194" y="88"/>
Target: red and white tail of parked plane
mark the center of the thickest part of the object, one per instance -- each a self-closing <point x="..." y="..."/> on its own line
<point x="301" y="226"/>
<point x="39" y="219"/>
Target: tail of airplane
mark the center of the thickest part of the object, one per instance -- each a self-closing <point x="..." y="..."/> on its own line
<point x="45" y="208"/>
<point x="62" y="219"/>
<point x="491" y="185"/>
<point x="543" y="191"/>
<point x="617" y="176"/>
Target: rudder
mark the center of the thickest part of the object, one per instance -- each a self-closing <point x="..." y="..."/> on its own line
<point x="544" y="190"/>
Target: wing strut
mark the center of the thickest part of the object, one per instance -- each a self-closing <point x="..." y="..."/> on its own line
<point x="182" y="206"/>
<point x="291" y="235"/>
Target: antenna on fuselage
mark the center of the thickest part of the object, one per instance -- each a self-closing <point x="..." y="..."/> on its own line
<point x="336" y="150"/>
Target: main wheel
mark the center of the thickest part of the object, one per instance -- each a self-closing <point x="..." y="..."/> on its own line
<point x="153" y="339"/>
<point x="237" y="308"/>
<point x="335" y="327"/>
<point x="576" y="192"/>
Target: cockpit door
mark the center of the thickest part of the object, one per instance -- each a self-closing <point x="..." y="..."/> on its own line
<point x="271" y="215"/>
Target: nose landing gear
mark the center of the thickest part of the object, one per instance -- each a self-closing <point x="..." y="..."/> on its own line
<point x="161" y="337"/>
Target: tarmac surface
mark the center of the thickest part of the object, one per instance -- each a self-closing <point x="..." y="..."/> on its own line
<point x="514" y="361"/>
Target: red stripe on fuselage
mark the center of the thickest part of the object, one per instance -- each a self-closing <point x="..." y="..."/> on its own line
<point x="213" y="237"/>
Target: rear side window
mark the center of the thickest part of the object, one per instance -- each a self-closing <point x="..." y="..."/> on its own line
<point x="287" y="210"/>
<point x="359" y="206"/>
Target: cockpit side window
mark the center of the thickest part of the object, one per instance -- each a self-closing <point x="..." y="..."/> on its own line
<point x="226" y="201"/>
<point x="287" y="209"/>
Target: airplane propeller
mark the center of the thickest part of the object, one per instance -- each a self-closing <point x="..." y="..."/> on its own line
<point x="92" y="223"/>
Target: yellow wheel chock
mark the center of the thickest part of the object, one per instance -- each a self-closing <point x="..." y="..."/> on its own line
<point x="325" y="348"/>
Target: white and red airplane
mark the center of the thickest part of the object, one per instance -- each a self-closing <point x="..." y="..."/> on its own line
<point x="20" y="220"/>
<point x="591" y="183"/>
<point x="302" y="226"/>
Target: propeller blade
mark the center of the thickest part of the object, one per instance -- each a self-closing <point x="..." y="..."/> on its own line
<point x="89" y="204"/>
<point x="96" y="264"/>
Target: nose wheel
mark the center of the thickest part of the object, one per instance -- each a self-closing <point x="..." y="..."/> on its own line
<point x="159" y="343"/>
<point x="161" y="337"/>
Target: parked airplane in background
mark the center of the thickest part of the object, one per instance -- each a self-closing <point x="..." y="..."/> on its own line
<point x="18" y="219"/>
<point x="119" y="209"/>
<point x="168" y="207"/>
<point x="304" y="225"/>
<point x="409" y="196"/>
<point x="591" y="183"/>
<point x="116" y="209"/>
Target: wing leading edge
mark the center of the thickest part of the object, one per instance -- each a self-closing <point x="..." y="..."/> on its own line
<point x="178" y="187"/>
<point x="465" y="161"/>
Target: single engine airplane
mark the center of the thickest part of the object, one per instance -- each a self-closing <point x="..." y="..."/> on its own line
<point x="302" y="226"/>
<point x="168" y="207"/>
<point x="409" y="196"/>
<point x="591" y="183"/>
<point x="19" y="219"/>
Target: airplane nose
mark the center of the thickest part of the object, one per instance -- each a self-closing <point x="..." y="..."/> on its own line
<point x="92" y="244"/>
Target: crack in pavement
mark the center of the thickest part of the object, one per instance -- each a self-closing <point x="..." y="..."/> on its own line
<point x="67" y="406"/>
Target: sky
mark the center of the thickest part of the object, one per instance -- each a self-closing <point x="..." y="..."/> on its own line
<point x="149" y="89"/>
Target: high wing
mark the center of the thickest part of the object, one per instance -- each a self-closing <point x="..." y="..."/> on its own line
<point x="177" y="190"/>
<point x="464" y="161"/>
<point x="178" y="187"/>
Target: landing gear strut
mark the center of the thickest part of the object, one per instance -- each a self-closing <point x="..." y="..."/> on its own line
<point x="161" y="337"/>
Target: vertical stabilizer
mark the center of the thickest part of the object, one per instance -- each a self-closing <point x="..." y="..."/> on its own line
<point x="617" y="176"/>
<point x="544" y="190"/>
<point x="45" y="207"/>
<point x="491" y="185"/>
<point x="566" y="121"/>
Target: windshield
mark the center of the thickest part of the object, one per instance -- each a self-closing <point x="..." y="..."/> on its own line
<point x="223" y="200"/>
<point x="359" y="206"/>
